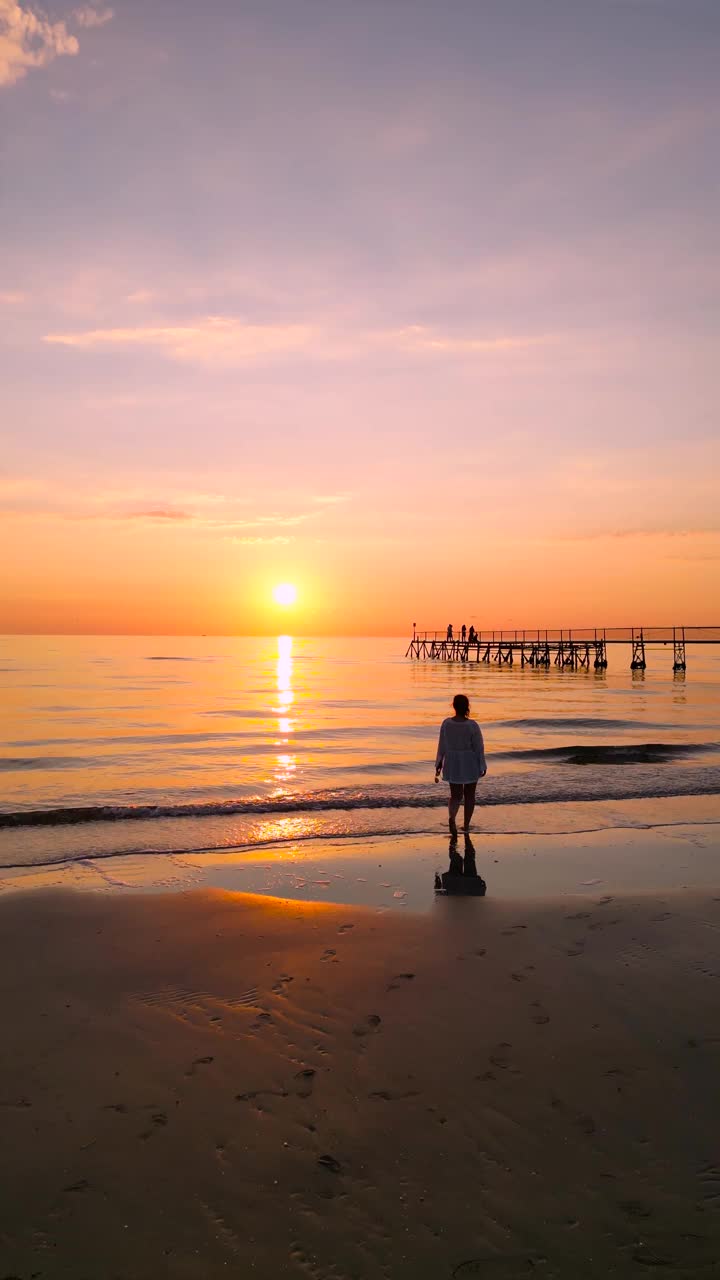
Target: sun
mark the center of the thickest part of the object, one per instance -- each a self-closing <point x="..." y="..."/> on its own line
<point x="285" y="593"/>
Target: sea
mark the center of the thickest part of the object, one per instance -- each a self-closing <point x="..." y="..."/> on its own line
<point x="114" y="749"/>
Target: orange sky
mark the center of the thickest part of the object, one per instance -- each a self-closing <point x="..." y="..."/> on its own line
<point x="160" y="577"/>
<point x="421" y="317"/>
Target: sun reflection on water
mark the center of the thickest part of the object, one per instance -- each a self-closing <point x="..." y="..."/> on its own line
<point x="286" y="763"/>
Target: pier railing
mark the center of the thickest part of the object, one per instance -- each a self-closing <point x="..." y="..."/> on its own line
<point x="611" y="635"/>
<point x="574" y="647"/>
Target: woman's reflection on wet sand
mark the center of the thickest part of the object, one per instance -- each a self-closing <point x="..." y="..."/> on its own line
<point x="462" y="876"/>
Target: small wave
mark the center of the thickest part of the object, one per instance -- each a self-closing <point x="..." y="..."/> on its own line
<point x="174" y="657"/>
<point x="561" y="723"/>
<point x="9" y="764"/>
<point x="632" y="753"/>
<point x="527" y="787"/>
<point x="252" y="713"/>
<point x="258" y="841"/>
<point x="248" y="738"/>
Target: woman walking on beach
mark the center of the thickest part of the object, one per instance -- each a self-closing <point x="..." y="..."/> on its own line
<point x="461" y="757"/>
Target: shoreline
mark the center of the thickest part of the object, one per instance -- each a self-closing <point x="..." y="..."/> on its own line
<point x="625" y="847"/>
<point x="205" y="1083"/>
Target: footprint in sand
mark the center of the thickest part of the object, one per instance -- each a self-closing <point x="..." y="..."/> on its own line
<point x="519" y="977"/>
<point x="298" y="1255"/>
<point x="635" y="1209"/>
<point x="82" y="1185"/>
<point x="305" y="1081"/>
<point x="578" y="1119"/>
<point x="371" y="1023"/>
<point x="398" y="981"/>
<point x="252" y="1094"/>
<point x="283" y="981"/>
<point x="539" y="1016"/>
<point x="585" y="1124"/>
<point x="159" y="1119"/>
<point x="200" y="1062"/>
<point x="651" y="1259"/>
<point x="709" y="1176"/>
<point x="497" y="1267"/>
<point x="261" y="1021"/>
<point x="328" y="954"/>
<point x="500" y="1057"/>
<point x="393" y="1095"/>
<point x="344" y="928"/>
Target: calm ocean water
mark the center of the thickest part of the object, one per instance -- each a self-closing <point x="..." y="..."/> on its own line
<point x="126" y="744"/>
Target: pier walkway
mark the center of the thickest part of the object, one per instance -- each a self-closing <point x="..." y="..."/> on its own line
<point x="577" y="648"/>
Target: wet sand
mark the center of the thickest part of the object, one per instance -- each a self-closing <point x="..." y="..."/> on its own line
<point x="207" y="1084"/>
<point x="522" y="851"/>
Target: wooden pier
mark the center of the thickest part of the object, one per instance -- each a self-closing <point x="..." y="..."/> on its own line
<point x="577" y="649"/>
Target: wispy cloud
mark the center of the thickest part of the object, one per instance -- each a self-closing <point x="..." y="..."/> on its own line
<point x="637" y="535"/>
<point x="417" y="337"/>
<point x="28" y="39"/>
<point x="159" y="513"/>
<point x="230" y="340"/>
<point x="213" y="339"/>
<point x="11" y="298"/>
<point x="691" y="557"/>
<point x="220" y="514"/>
<point x="87" y="16"/>
<point x="276" y="519"/>
<point x="278" y="540"/>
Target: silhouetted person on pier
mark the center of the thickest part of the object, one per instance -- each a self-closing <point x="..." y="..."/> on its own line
<point x="472" y="634"/>
<point x="463" y="633"/>
<point x="449" y="631"/>
<point x="461" y="757"/>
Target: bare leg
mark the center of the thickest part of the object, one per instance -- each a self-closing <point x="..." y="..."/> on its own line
<point x="468" y="803"/>
<point x="456" y="795"/>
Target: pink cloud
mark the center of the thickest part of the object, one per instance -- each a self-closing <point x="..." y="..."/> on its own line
<point x="28" y="41"/>
<point x="213" y="339"/>
<point x="87" y="16"/>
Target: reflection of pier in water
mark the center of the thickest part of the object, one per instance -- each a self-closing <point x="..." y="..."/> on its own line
<point x="578" y="648"/>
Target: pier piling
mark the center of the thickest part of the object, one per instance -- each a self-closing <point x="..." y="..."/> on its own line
<point x="576" y="649"/>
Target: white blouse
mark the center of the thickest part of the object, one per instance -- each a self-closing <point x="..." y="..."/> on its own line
<point x="461" y="751"/>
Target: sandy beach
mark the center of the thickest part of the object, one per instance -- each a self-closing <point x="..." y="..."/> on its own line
<point x="208" y="1083"/>
<point x="359" y="640"/>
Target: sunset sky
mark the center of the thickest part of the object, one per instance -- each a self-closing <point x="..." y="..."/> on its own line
<point x="410" y="303"/>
